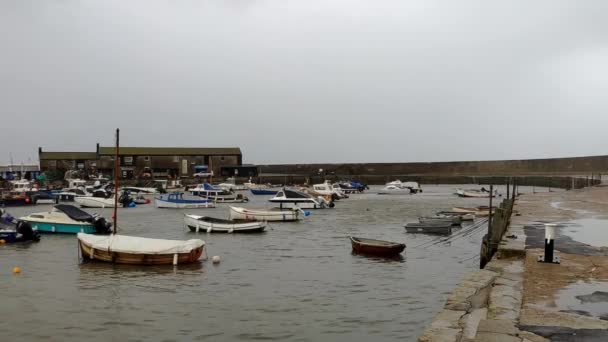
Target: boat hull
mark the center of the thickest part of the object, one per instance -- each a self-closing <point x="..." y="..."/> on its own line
<point x="299" y="205"/>
<point x="95" y="202"/>
<point x="62" y="228"/>
<point x="263" y="192"/>
<point x="391" y="250"/>
<point x="266" y="216"/>
<point x="183" y="205"/>
<point x="8" y="236"/>
<point x="90" y="253"/>
<point x="238" y="226"/>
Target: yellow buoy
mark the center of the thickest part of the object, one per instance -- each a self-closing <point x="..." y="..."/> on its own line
<point x="16" y="269"/>
<point x="2" y="242"/>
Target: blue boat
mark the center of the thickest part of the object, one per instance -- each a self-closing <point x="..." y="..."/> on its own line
<point x="68" y="219"/>
<point x="12" y="230"/>
<point x="263" y="192"/>
<point x="177" y="200"/>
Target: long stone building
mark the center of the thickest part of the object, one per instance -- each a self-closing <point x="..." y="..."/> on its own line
<point x="143" y="162"/>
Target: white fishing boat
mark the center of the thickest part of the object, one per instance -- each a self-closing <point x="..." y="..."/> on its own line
<point x="237" y="213"/>
<point x="208" y="224"/>
<point x="289" y="198"/>
<point x="176" y="200"/>
<point x="217" y="195"/>
<point x="122" y="249"/>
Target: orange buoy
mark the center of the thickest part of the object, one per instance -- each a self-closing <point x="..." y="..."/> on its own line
<point x="2" y="242"/>
<point x="16" y="269"/>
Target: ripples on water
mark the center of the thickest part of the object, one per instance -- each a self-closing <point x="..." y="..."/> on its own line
<point x="297" y="281"/>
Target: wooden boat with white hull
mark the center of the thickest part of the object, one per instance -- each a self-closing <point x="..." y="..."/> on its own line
<point x="208" y="224"/>
<point x="274" y="215"/>
<point x="376" y="247"/>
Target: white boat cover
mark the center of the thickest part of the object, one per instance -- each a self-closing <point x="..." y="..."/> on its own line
<point x="139" y="245"/>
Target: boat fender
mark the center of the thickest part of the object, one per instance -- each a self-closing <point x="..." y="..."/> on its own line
<point x="209" y="230"/>
<point x="230" y="231"/>
<point x="306" y="212"/>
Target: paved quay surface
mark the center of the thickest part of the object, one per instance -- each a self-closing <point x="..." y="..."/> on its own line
<point x="516" y="298"/>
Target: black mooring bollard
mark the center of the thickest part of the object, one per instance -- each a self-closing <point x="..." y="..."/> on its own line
<point x="549" y="245"/>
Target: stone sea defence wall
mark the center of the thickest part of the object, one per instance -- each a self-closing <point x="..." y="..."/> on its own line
<point x="526" y="167"/>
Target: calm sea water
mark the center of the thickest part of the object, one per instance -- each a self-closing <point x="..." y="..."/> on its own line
<point x="297" y="281"/>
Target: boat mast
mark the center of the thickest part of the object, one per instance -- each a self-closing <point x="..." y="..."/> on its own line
<point x="116" y="170"/>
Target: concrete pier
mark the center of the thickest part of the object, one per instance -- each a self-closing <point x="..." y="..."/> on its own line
<point x="516" y="298"/>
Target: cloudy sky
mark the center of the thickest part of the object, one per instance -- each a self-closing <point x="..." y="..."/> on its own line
<point x="307" y="81"/>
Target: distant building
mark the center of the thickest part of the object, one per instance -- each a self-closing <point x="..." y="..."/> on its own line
<point x="143" y="162"/>
<point x="10" y="172"/>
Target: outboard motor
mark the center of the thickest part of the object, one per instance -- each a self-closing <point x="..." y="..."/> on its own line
<point x="26" y="232"/>
<point x="102" y="226"/>
<point x="125" y="199"/>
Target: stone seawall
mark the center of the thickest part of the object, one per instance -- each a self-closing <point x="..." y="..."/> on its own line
<point x="552" y="166"/>
<point x="562" y="182"/>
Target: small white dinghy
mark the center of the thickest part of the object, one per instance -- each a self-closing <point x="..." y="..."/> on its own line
<point x="208" y="224"/>
<point x="237" y="213"/>
<point x="122" y="249"/>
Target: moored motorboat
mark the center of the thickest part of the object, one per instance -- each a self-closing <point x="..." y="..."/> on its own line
<point x="237" y="213"/>
<point x="376" y="247"/>
<point x="290" y="198"/>
<point x="208" y="224"/>
<point x="12" y="230"/>
<point x="218" y="195"/>
<point x="97" y="202"/>
<point x="65" y="218"/>
<point x="122" y="249"/>
<point x="176" y="200"/>
<point x="429" y="228"/>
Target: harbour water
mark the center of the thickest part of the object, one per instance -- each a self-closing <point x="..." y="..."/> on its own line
<point x="297" y="281"/>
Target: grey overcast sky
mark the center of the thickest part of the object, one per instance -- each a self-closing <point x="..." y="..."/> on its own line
<point x="307" y="80"/>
